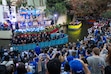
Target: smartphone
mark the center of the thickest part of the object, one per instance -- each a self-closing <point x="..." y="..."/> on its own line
<point x="17" y="64"/>
<point x="26" y="65"/>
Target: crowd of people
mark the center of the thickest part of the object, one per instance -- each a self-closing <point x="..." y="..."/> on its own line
<point x="35" y="38"/>
<point x="4" y="26"/>
<point x="92" y="55"/>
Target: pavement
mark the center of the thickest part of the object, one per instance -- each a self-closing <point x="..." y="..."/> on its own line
<point x="62" y="19"/>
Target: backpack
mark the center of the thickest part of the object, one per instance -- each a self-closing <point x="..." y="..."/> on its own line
<point x="3" y="69"/>
<point x="108" y="70"/>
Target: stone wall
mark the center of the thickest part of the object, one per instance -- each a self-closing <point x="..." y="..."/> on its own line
<point x="5" y="34"/>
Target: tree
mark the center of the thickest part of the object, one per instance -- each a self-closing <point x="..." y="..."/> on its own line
<point x="51" y="3"/>
<point x="18" y="3"/>
<point x="85" y="7"/>
<point x="0" y="1"/>
<point x="106" y="14"/>
<point x="21" y="2"/>
<point x="56" y="6"/>
<point x="6" y="0"/>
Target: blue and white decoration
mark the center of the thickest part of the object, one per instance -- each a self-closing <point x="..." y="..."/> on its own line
<point x="38" y="29"/>
<point x="26" y="13"/>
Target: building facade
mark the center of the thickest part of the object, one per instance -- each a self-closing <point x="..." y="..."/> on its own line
<point x="36" y="3"/>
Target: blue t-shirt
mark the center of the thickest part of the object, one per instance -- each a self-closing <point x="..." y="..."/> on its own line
<point x="82" y="52"/>
<point x="37" y="50"/>
<point x="33" y="64"/>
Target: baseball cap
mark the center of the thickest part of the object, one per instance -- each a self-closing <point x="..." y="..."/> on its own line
<point x="69" y="58"/>
<point x="76" y="66"/>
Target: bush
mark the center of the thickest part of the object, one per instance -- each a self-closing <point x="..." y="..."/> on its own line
<point x="107" y="14"/>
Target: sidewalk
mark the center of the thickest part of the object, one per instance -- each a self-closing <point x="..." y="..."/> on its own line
<point x="62" y="19"/>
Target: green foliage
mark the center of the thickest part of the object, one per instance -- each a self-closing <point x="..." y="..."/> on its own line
<point x="60" y="8"/>
<point x="89" y="7"/>
<point x="51" y="3"/>
<point x="107" y="14"/>
<point x="55" y="6"/>
<point x="0" y="2"/>
<point x="47" y="11"/>
<point x="6" y="0"/>
<point x="24" y="4"/>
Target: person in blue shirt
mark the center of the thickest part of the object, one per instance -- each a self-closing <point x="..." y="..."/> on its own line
<point x="37" y="50"/>
<point x="81" y="52"/>
<point x="33" y="64"/>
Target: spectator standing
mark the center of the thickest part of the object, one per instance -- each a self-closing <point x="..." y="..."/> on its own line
<point x="78" y="67"/>
<point x="54" y="66"/>
<point x="95" y="62"/>
<point x="108" y="67"/>
<point x="37" y="50"/>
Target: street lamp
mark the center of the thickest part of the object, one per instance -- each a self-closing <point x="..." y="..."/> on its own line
<point x="55" y="16"/>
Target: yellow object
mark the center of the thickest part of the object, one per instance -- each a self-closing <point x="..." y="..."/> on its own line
<point x="74" y="27"/>
<point x="76" y="34"/>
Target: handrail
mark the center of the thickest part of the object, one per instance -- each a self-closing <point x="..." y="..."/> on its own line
<point x="59" y="41"/>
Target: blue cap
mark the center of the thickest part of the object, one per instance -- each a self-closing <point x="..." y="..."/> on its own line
<point x="69" y="58"/>
<point x="76" y="66"/>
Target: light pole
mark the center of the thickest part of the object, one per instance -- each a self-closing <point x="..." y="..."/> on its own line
<point x="55" y="16"/>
